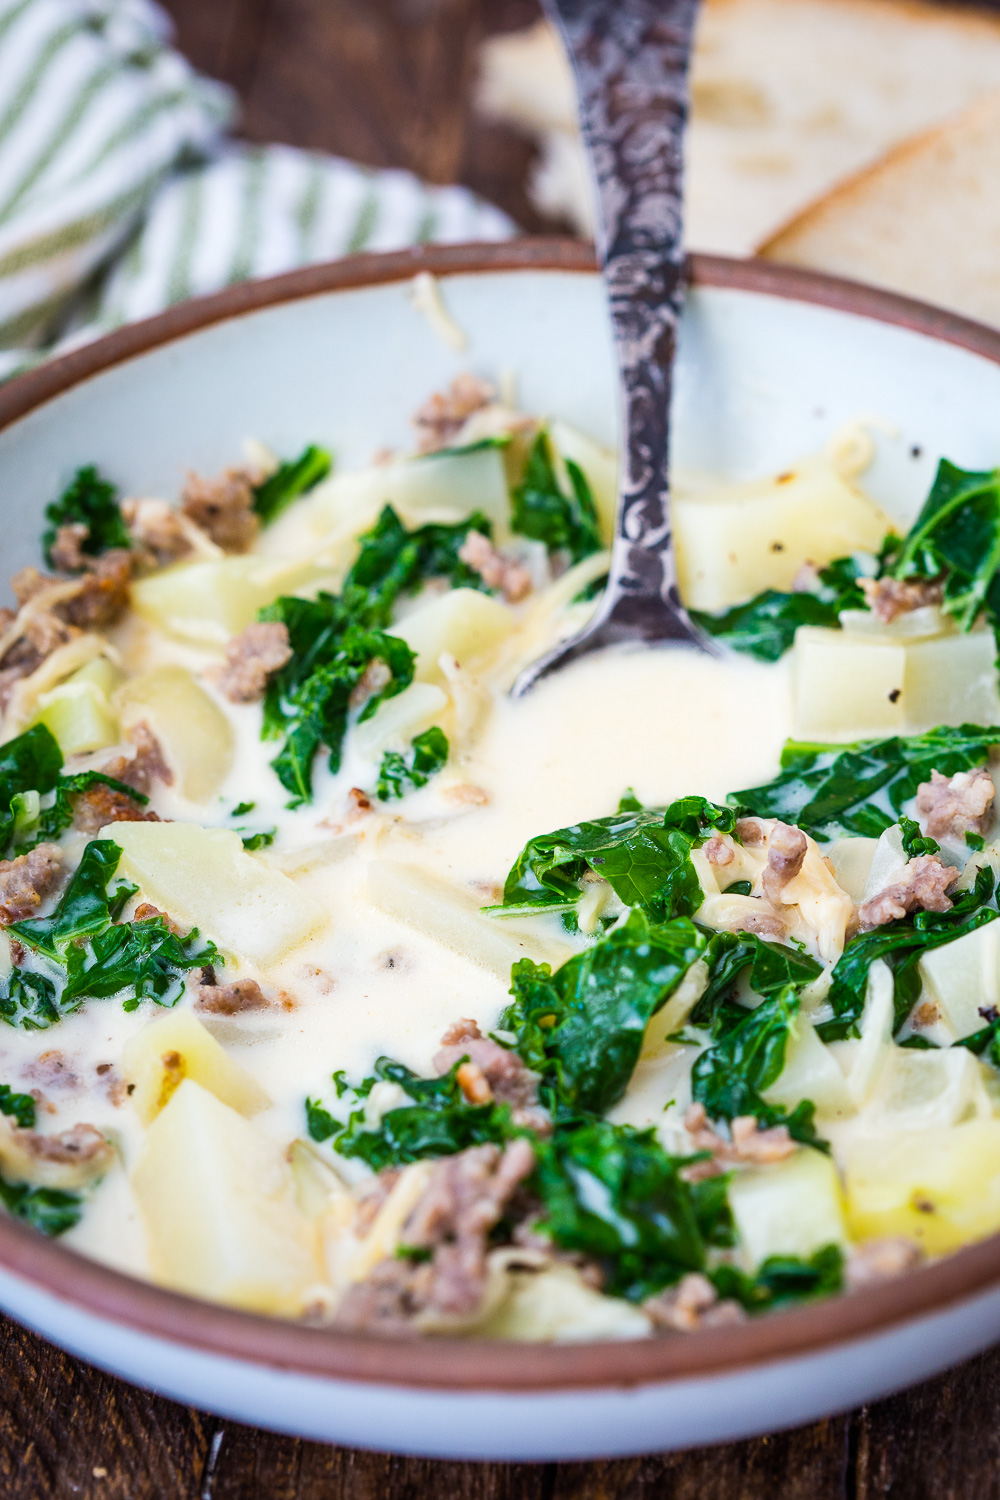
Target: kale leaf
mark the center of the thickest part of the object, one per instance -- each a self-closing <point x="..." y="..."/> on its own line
<point x="397" y="774"/>
<point x="439" y="1122"/>
<point x="611" y="1191"/>
<point x="20" y="1106"/>
<point x="543" y="511"/>
<point x="582" y="1027"/>
<point x="89" y="501"/>
<point x="913" y="841"/>
<point x="832" y="790"/>
<point x="644" y="854"/>
<point x="393" y="560"/>
<point x="765" y="627"/>
<point x="35" y="803"/>
<point x="746" y="1055"/>
<point x="782" y="1280"/>
<point x="956" y="537"/>
<point x="290" y="479"/>
<point x="772" y="968"/>
<point x="48" y="1209"/>
<point x="901" y="944"/>
<point x="86" y="953"/>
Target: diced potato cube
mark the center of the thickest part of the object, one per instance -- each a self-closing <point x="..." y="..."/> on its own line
<point x="852" y="860"/>
<point x="811" y="1072"/>
<point x="851" y="686"/>
<point x="79" y="716"/>
<point x="940" y="1187"/>
<point x="793" y="1207"/>
<point x="448" y="915"/>
<point x="465" y="623"/>
<point x="217" y="1201"/>
<point x="888" y="858"/>
<point x="196" y="736"/>
<point x="204" y="877"/>
<point x="318" y="1189"/>
<point x="929" y="619"/>
<point x="103" y="673"/>
<point x="600" y="469"/>
<point x="399" y="719"/>
<point x="176" y="1046"/>
<point x="963" y="978"/>
<point x="556" y="1305"/>
<point x="210" y="601"/>
<point x="846" y="687"/>
<point x="735" y="542"/>
<point x="918" y="1090"/>
<point x="444" y="487"/>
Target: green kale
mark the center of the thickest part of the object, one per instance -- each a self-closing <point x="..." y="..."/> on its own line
<point x="88" y="501"/>
<point x="644" y="854"/>
<point x="393" y="561"/>
<point x="914" y="843"/>
<point x="48" y="1209"/>
<point x="397" y="774"/>
<point x="582" y="1027"/>
<point x="783" y="1280"/>
<point x="20" y="1106"/>
<point x="35" y="803"/>
<point x="291" y="479"/>
<point x="956" y="538"/>
<point x="832" y="790"/>
<point x="773" y="967"/>
<point x="439" y="1122"/>
<point x="901" y="944"/>
<point x="86" y="953"/>
<point x="612" y="1192"/>
<point x="746" y="1056"/>
<point x="765" y="627"/>
<point x="543" y="511"/>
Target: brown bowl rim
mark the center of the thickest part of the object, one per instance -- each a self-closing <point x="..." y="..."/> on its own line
<point x="453" y="1363"/>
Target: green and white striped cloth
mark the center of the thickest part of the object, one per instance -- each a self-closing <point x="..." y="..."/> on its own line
<point x="120" y="193"/>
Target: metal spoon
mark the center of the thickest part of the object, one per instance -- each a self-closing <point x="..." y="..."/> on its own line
<point x="631" y="59"/>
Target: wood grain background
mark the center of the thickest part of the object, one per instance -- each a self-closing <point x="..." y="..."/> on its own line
<point x="388" y="82"/>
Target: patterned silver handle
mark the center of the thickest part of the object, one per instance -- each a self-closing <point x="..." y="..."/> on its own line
<point x="631" y="59"/>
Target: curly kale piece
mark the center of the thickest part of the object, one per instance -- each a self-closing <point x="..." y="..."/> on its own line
<point x="90" y="501"/>
<point x="543" y="510"/>
<point x="398" y="774"/>
<point x="290" y="479"/>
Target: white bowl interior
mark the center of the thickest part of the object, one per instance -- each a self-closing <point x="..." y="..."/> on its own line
<point x="762" y="381"/>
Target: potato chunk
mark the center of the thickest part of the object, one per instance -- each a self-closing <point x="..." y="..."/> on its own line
<point x="963" y="978"/>
<point x="441" y="487"/>
<point x="940" y="1187"/>
<point x="176" y="1046"/>
<point x="79" y="715"/>
<point x="210" y="601"/>
<point x="447" y="914"/>
<point x="811" y="1072"/>
<point x="195" y="735"/>
<point x="217" y="1200"/>
<point x="793" y="1207"/>
<point x="204" y="877"/>
<point x="855" y="685"/>
<point x="734" y="542"/>
<point x="600" y="469"/>
<point x="465" y="623"/>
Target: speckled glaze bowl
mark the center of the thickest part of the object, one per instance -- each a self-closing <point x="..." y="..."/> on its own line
<point x="772" y="361"/>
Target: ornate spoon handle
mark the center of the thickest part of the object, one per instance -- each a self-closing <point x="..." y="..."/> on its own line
<point x="631" y="59"/>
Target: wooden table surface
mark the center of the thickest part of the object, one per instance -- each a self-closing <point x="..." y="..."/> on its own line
<point x="388" y="82"/>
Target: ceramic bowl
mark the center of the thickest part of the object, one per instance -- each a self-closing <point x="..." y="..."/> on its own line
<point x="772" y="362"/>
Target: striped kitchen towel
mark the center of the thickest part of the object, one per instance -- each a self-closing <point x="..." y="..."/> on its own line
<point x="120" y="192"/>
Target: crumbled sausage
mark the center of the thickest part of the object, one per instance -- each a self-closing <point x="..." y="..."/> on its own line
<point x="920" y="886"/>
<point x="147" y="912"/>
<point x="465" y="1198"/>
<point x="887" y="598"/>
<point x="786" y="851"/>
<point x="376" y="676"/>
<point x="495" y="1072"/>
<point x="443" y="415"/>
<point x="27" y="880"/>
<point x="953" y="805"/>
<point x="103" y="593"/>
<point x="99" y="805"/>
<point x="67" y="1160"/>
<point x="53" y="1070"/>
<point x="251" y="658"/>
<point x="719" y="850"/>
<point x="693" y="1303"/>
<point x="765" y="922"/>
<point x="67" y="552"/>
<point x="879" y="1260"/>
<point x="231" y="999"/>
<point x="466" y="795"/>
<point x="223" y="508"/>
<point x="748" y="1144"/>
<point x="497" y="572"/>
<point x="751" y="833"/>
<point x="146" y="765"/>
<point x="156" y="531"/>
